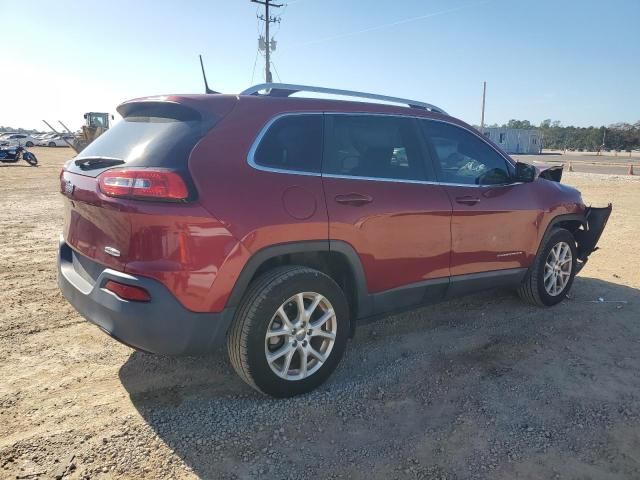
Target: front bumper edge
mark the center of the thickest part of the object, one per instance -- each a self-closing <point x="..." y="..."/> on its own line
<point x="587" y="238"/>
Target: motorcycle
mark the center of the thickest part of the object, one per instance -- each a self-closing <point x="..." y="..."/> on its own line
<point x="13" y="154"/>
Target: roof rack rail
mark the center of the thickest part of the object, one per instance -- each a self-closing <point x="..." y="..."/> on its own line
<point x="286" y="90"/>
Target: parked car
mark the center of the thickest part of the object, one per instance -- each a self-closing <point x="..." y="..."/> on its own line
<point x="47" y="135"/>
<point x="276" y="224"/>
<point x="55" y="141"/>
<point x="17" y="139"/>
<point x="40" y="136"/>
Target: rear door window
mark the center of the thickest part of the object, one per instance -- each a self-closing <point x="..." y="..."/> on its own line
<point x="463" y="158"/>
<point x="373" y="146"/>
<point x="292" y="142"/>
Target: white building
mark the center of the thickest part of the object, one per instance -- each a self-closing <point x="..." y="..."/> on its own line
<point x="516" y="140"/>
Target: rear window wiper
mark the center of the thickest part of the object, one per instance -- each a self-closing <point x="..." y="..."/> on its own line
<point x="91" y="163"/>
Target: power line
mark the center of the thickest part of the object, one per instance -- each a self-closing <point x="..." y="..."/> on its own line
<point x="396" y="23"/>
<point x="255" y="61"/>
<point x="276" y="70"/>
<point x="267" y="43"/>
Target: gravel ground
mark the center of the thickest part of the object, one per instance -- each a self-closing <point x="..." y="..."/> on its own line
<point x="482" y="387"/>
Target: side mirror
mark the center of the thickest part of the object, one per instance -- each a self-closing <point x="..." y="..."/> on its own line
<point x="85" y="116"/>
<point x="525" y="173"/>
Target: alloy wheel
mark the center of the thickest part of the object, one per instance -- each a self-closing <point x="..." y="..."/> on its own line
<point x="557" y="268"/>
<point x="300" y="336"/>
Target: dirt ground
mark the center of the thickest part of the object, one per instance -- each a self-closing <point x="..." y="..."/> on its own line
<point x="481" y="387"/>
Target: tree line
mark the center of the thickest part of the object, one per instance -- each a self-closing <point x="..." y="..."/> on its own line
<point x="17" y="130"/>
<point x="618" y="136"/>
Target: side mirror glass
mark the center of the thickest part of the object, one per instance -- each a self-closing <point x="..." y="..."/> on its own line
<point x="525" y="173"/>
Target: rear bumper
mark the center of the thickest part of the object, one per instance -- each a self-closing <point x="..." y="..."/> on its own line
<point x="161" y="325"/>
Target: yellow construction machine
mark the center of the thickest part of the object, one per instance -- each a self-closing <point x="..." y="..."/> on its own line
<point x="95" y="124"/>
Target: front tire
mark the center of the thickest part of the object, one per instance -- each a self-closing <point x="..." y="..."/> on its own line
<point x="551" y="276"/>
<point x="30" y="158"/>
<point x="290" y="331"/>
<point x="52" y="144"/>
<point x="29" y="144"/>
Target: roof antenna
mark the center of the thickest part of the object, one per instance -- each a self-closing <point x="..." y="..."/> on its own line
<point x="204" y="75"/>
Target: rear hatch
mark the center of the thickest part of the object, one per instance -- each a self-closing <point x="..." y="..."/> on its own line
<point x="154" y="134"/>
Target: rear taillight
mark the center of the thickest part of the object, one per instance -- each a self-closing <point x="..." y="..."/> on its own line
<point x="127" y="292"/>
<point x="146" y="183"/>
<point x="63" y="182"/>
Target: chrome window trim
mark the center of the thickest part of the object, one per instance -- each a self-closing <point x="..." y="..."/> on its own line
<point x="379" y="179"/>
<point x="419" y="182"/>
<point x="263" y="131"/>
<point x="272" y="120"/>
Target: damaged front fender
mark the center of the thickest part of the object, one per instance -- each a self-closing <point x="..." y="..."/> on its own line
<point x="588" y="235"/>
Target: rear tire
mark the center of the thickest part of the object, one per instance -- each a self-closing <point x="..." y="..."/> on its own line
<point x="52" y="144"/>
<point x="274" y="347"/>
<point x="550" y="277"/>
<point x="28" y="144"/>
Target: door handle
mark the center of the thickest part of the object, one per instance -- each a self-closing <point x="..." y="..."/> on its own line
<point x="353" y="199"/>
<point x="467" y="200"/>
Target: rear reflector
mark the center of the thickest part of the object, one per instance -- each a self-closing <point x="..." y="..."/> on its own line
<point x="152" y="184"/>
<point x="128" y="292"/>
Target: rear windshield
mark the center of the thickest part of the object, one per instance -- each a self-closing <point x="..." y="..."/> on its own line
<point x="147" y="137"/>
<point x="130" y="138"/>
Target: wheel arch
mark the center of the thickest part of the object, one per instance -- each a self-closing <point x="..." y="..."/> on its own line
<point x="568" y="221"/>
<point x="335" y="258"/>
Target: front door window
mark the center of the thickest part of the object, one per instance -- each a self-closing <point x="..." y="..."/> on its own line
<point x="463" y="158"/>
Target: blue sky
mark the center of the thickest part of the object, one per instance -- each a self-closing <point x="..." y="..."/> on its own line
<point x="577" y="61"/>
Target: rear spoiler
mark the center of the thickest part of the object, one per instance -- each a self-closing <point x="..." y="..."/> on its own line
<point x="160" y="109"/>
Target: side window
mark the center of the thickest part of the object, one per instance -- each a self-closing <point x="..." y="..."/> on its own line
<point x="374" y="146"/>
<point x="293" y="142"/>
<point x="461" y="157"/>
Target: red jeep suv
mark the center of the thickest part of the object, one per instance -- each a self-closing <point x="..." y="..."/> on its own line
<point x="278" y="222"/>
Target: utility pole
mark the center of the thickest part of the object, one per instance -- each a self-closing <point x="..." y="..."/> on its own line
<point x="604" y="137"/>
<point x="484" y="95"/>
<point x="269" y="44"/>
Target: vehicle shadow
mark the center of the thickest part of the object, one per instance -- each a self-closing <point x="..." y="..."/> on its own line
<point x="219" y="426"/>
